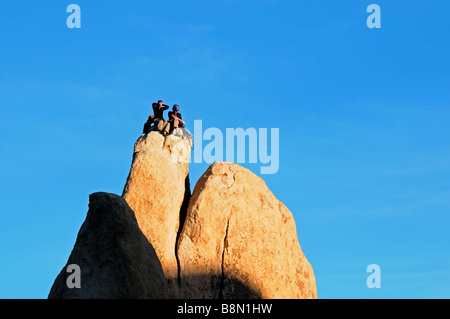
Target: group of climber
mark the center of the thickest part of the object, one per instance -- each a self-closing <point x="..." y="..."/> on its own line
<point x="157" y="119"/>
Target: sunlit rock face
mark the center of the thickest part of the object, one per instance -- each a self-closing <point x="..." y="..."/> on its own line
<point x="155" y="190"/>
<point x="240" y="241"/>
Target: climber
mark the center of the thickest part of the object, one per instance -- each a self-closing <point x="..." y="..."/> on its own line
<point x="157" y="118"/>
<point x="174" y="122"/>
<point x="158" y="109"/>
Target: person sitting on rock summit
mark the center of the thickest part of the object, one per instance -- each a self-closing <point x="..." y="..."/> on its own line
<point x="158" y="109"/>
<point x="175" y="120"/>
<point x="157" y="118"/>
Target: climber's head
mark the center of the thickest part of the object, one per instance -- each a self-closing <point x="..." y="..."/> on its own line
<point x="175" y="108"/>
<point x="160" y="103"/>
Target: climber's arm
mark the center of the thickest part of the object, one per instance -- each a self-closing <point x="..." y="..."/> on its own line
<point x="179" y="119"/>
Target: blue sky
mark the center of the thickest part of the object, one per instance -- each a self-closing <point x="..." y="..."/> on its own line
<point x="363" y="117"/>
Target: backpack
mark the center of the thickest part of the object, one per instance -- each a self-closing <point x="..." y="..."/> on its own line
<point x="148" y="124"/>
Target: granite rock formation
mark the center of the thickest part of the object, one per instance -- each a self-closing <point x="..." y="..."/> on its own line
<point x="115" y="259"/>
<point x="240" y="241"/>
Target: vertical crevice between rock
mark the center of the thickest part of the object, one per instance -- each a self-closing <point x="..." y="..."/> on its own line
<point x="183" y="214"/>
<point x="222" y="279"/>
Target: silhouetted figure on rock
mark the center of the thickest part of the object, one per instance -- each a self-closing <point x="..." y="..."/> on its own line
<point x="175" y="121"/>
<point x="157" y="118"/>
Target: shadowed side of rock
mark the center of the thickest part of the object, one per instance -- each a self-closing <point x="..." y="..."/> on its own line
<point x="115" y="258"/>
<point x="213" y="288"/>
